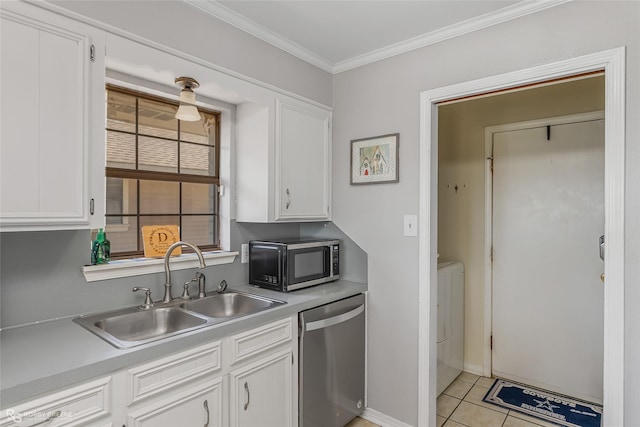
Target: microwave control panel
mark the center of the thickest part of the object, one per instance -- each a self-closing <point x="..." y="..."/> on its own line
<point x="269" y="279"/>
<point x="335" y="260"/>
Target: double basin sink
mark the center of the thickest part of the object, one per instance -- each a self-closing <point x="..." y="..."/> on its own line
<point x="134" y="326"/>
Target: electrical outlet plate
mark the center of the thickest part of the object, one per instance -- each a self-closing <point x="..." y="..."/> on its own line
<point x="244" y="254"/>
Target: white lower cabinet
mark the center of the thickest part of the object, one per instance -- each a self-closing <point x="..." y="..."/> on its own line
<point x="183" y="389"/>
<point x="248" y="379"/>
<point x="261" y="394"/>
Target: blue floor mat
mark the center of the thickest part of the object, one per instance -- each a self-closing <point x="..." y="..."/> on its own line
<point x="544" y="405"/>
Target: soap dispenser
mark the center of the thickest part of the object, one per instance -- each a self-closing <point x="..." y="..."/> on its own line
<point x="100" y="249"/>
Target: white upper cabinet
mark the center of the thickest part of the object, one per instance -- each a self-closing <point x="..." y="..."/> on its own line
<point x="303" y="163"/>
<point x="283" y="162"/>
<point x="52" y="113"/>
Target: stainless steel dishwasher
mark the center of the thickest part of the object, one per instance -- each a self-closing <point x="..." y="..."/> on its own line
<point x="332" y="352"/>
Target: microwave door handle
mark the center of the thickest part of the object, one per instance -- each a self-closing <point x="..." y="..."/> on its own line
<point x="325" y="323"/>
<point x="328" y="261"/>
<point x="281" y="267"/>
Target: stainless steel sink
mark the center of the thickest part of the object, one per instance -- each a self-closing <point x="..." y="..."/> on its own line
<point x="131" y="327"/>
<point x="230" y="304"/>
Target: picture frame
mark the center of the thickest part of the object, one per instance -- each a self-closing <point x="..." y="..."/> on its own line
<point x="375" y="160"/>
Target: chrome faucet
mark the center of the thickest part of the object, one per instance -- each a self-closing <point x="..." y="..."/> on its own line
<point x="198" y="277"/>
<point x="201" y="285"/>
<point x="167" y="284"/>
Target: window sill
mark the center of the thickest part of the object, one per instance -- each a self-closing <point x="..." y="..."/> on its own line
<point x="139" y="266"/>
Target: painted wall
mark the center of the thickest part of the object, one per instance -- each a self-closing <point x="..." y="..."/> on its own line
<point x="461" y="155"/>
<point x="180" y="26"/>
<point x="40" y="272"/>
<point x="384" y="97"/>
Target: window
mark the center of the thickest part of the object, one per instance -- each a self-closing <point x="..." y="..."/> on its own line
<point x="159" y="171"/>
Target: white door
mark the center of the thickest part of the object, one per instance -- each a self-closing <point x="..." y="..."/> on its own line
<point x="548" y="213"/>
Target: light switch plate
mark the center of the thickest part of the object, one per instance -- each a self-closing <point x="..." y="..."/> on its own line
<point x="244" y="253"/>
<point x="411" y="225"/>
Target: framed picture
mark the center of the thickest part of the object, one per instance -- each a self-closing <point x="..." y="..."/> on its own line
<point x="375" y="160"/>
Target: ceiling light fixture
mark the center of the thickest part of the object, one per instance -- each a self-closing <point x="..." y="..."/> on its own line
<point x="187" y="111"/>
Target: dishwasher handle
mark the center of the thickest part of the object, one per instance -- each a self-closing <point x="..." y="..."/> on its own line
<point x="330" y="321"/>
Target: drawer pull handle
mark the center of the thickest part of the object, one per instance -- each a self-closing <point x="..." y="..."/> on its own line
<point x="206" y="408"/>
<point x="288" y="199"/>
<point x="246" y="388"/>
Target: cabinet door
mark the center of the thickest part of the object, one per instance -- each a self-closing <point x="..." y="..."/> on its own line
<point x="303" y="162"/>
<point x="52" y="113"/>
<point x="261" y="393"/>
<point x="197" y="406"/>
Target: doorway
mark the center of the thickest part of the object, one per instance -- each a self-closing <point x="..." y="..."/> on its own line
<point x="547" y="198"/>
<point x="612" y="62"/>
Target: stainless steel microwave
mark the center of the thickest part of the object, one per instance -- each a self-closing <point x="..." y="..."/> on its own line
<point x="289" y="265"/>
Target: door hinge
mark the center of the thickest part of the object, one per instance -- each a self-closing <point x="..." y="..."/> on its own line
<point x="491" y="342"/>
<point x="491" y="254"/>
<point x="92" y="53"/>
<point x="292" y="359"/>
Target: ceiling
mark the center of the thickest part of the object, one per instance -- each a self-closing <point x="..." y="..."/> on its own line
<point x="338" y="35"/>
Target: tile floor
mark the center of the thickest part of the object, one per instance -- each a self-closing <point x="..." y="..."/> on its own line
<point x="461" y="405"/>
<point x="361" y="422"/>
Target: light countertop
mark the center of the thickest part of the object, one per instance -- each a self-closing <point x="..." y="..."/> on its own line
<point x="41" y="358"/>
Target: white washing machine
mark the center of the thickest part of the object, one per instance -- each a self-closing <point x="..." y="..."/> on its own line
<point x="450" y="323"/>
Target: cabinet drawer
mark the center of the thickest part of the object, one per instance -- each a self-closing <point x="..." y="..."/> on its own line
<point x="71" y="407"/>
<point x="258" y="340"/>
<point x="172" y="371"/>
<point x="196" y="406"/>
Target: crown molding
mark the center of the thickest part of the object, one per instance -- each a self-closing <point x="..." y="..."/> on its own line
<point x="231" y="17"/>
<point x="508" y="13"/>
<point x="474" y="24"/>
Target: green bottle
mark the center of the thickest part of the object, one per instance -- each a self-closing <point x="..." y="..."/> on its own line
<point x="101" y="249"/>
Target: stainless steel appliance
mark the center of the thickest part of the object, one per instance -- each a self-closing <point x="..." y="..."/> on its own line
<point x="287" y="265"/>
<point x="332" y="362"/>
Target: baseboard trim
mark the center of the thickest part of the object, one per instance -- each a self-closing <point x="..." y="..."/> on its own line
<point x="381" y="419"/>
<point x="473" y="369"/>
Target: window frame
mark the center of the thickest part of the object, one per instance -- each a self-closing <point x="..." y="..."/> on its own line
<point x="138" y="175"/>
